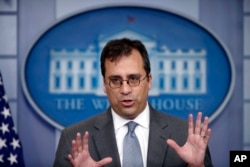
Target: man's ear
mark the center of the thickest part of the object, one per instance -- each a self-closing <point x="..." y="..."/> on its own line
<point x="150" y="80"/>
<point x="104" y="86"/>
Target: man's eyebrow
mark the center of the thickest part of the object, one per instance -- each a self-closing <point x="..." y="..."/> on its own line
<point x="134" y="75"/>
<point x="128" y="76"/>
<point x="114" y="76"/>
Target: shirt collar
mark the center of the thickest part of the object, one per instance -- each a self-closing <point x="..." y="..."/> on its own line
<point x="142" y="119"/>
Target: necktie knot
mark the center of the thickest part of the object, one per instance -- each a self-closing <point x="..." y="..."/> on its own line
<point x="131" y="126"/>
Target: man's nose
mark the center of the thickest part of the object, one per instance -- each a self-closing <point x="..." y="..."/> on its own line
<point x="125" y="87"/>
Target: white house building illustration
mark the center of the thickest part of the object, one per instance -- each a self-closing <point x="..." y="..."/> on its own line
<point x="174" y="71"/>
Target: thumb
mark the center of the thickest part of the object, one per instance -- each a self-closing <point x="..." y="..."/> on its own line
<point x="173" y="144"/>
<point x="104" y="161"/>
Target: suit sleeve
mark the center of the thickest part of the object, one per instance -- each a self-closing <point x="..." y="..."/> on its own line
<point x="63" y="149"/>
<point x="208" y="159"/>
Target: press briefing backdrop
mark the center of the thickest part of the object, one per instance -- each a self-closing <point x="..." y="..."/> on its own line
<point x="209" y="36"/>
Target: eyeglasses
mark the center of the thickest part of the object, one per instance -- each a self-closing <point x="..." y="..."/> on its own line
<point x="133" y="81"/>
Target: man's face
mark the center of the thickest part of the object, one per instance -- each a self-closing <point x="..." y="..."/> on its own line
<point x="127" y="101"/>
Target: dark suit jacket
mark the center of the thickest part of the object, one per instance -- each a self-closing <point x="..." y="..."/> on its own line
<point x="102" y="141"/>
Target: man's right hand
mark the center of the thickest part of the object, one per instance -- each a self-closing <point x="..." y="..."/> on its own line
<point x="80" y="156"/>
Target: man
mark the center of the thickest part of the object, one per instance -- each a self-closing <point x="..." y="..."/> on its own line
<point x="163" y="140"/>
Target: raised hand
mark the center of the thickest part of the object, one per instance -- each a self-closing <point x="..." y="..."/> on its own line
<point x="80" y="156"/>
<point x="193" y="151"/>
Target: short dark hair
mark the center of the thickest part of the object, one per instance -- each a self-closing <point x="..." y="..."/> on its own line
<point x="117" y="48"/>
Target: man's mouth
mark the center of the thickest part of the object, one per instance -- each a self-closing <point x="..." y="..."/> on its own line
<point x="127" y="103"/>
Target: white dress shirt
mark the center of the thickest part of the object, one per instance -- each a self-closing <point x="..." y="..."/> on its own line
<point x="141" y="131"/>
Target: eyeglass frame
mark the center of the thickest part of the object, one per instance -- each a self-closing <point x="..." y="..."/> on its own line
<point x="127" y="81"/>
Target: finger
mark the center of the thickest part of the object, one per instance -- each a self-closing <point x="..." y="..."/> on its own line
<point x="198" y="124"/>
<point x="86" y="141"/>
<point x="104" y="161"/>
<point x="74" y="150"/>
<point x="79" y="142"/>
<point x="207" y="136"/>
<point x="190" y="124"/>
<point x="204" y="127"/>
<point x="70" y="158"/>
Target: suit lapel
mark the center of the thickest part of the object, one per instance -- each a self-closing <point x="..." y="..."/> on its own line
<point x="105" y="140"/>
<point x="157" y="139"/>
